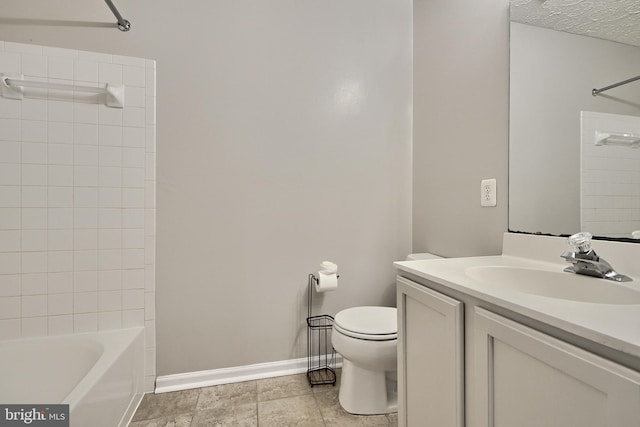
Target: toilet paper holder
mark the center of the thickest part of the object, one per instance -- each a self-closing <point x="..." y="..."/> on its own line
<point x="321" y="356"/>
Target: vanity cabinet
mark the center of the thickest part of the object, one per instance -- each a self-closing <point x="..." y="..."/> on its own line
<point x="430" y="352"/>
<point x="526" y="378"/>
<point x="460" y="364"/>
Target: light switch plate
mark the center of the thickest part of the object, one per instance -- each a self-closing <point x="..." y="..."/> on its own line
<point x="488" y="192"/>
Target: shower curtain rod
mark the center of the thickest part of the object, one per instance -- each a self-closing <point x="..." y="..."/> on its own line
<point x="123" y="24"/>
<point x="594" y="92"/>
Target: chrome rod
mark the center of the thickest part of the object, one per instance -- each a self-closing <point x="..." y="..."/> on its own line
<point x="123" y="24"/>
<point x="594" y="92"/>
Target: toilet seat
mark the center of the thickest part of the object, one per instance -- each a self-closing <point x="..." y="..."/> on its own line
<point x="368" y="323"/>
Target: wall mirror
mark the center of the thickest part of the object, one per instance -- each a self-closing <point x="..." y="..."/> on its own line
<point x="574" y="158"/>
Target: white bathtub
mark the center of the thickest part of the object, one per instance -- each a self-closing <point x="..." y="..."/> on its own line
<point x="100" y="375"/>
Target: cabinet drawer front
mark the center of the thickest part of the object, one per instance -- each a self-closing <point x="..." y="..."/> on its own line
<point x="528" y="379"/>
<point x="430" y="357"/>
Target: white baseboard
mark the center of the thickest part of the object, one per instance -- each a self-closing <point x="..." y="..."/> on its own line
<point x="189" y="380"/>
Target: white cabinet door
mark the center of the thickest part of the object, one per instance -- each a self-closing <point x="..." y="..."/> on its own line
<point x="528" y="379"/>
<point x="430" y="358"/>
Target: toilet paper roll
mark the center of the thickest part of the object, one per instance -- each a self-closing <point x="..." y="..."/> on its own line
<point x="326" y="282"/>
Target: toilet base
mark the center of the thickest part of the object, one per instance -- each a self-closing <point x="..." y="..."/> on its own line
<point x="366" y="392"/>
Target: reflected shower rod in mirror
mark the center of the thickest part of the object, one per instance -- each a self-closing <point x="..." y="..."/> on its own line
<point x="594" y="92"/>
<point x="123" y="24"/>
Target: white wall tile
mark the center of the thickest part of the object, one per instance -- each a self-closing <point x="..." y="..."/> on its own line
<point x="110" y="320"/>
<point x="60" y="68"/>
<point x="60" y="240"/>
<point x="60" y="197"/>
<point x="109" y="300"/>
<point x="60" y="218"/>
<point x="60" y="154"/>
<point x="10" y="129"/>
<point x="110" y="198"/>
<point x="10" y="285"/>
<point x="134" y="318"/>
<point x="34" y="109"/>
<point x="60" y="111"/>
<point x="10" y="263"/>
<point x="85" y="302"/>
<point x="59" y="261"/>
<point x="32" y="218"/>
<point x="34" y="240"/>
<point x="10" y="218"/>
<point x="110" y="156"/>
<point x="10" y="108"/>
<point x="60" y="133"/>
<point x="34" y="65"/>
<point x="10" y="196"/>
<point x="10" y="152"/>
<point x="10" y="62"/>
<point x="110" y="280"/>
<point x="73" y="183"/>
<point x="85" y="71"/>
<point x="109" y="176"/>
<point x="58" y="175"/>
<point x="10" y="174"/>
<point x="60" y="282"/>
<point x="34" y="284"/>
<point x="110" y="135"/>
<point x="9" y="307"/>
<point x="85" y="134"/>
<point x="85" y="281"/>
<point x="33" y="174"/>
<point x="9" y="329"/>
<point x="110" y="73"/>
<point x="110" y="218"/>
<point x="134" y="116"/>
<point x="34" y="305"/>
<point x="58" y="304"/>
<point x="85" y="113"/>
<point x="33" y="262"/>
<point x="34" y="153"/>
<point x="85" y="260"/>
<point x="34" y="327"/>
<point x="87" y="176"/>
<point x="86" y="322"/>
<point x="59" y="325"/>
<point x="10" y="240"/>
<point x="34" y="130"/>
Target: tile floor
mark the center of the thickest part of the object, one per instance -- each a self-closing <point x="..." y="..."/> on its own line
<point x="273" y="402"/>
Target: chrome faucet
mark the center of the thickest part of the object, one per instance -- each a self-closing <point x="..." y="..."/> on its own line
<point x="587" y="262"/>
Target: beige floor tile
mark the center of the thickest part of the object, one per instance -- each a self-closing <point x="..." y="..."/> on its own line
<point x="227" y="395"/>
<point x="298" y="411"/>
<point x="166" y="405"/>
<point x="243" y="415"/>
<point x="177" y="421"/>
<point x="335" y="416"/>
<point x="281" y="387"/>
<point x="393" y="419"/>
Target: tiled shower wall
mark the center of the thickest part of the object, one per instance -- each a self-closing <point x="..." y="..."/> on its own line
<point x="77" y="198"/>
<point x="610" y="184"/>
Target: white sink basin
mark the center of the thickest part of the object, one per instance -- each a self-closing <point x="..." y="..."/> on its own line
<point x="560" y="285"/>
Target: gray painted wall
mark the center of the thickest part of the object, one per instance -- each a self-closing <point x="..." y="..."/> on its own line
<point x="460" y="131"/>
<point x="283" y="139"/>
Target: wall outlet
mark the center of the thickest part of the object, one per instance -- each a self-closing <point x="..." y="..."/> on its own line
<point x="488" y="192"/>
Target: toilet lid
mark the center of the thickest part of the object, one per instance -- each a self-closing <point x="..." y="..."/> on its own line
<point x="373" y="323"/>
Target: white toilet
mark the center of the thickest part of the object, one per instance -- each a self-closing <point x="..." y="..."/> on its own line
<point x="367" y="338"/>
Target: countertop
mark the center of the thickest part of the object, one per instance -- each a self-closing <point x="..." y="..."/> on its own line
<point x="616" y="326"/>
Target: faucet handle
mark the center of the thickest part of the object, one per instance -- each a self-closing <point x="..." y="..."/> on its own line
<point x="580" y="242"/>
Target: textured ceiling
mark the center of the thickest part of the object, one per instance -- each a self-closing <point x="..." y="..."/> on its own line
<point x="617" y="20"/>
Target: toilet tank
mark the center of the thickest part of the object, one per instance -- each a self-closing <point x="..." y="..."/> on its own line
<point x="424" y="255"/>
